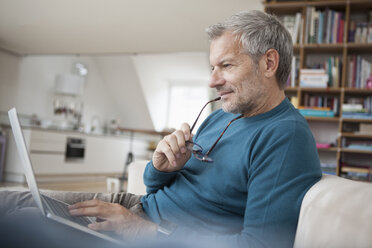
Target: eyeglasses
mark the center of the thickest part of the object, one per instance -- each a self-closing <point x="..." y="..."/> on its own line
<point x="196" y="149"/>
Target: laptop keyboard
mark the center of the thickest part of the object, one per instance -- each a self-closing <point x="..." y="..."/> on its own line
<point x="60" y="209"/>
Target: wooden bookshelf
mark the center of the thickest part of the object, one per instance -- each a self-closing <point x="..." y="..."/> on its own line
<point x="357" y="135"/>
<point x="306" y="51"/>
<point x="346" y="150"/>
<point x="325" y="119"/>
<point x="331" y="149"/>
<point x="356" y="120"/>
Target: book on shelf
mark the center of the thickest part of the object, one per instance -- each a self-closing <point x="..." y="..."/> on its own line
<point x="293" y="24"/>
<point x="297" y="28"/>
<point x="325" y="26"/>
<point x="352" y="107"/>
<point x="351" y="115"/>
<point x="360" y="72"/>
<point x="365" y="128"/>
<point x="293" y="76"/>
<point x="357" y="143"/>
<point x="360" y="32"/>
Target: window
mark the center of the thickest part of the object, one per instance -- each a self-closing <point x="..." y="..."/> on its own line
<point x="185" y="101"/>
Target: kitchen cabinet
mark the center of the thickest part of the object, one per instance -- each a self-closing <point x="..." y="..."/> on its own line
<point x="103" y="155"/>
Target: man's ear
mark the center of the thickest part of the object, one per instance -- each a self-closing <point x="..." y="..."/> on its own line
<point x="270" y="62"/>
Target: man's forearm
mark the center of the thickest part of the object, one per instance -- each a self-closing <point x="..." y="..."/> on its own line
<point x="155" y="179"/>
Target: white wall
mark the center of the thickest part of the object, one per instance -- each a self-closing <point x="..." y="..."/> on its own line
<point x="9" y="79"/>
<point x="155" y="71"/>
<point x="133" y="89"/>
<point x="122" y="83"/>
<point x="112" y="90"/>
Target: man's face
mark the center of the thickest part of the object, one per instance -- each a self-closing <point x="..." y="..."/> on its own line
<point x="235" y="76"/>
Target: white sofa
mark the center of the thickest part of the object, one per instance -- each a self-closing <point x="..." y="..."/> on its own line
<point x="335" y="212"/>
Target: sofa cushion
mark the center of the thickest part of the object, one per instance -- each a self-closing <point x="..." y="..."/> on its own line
<point x="336" y="212"/>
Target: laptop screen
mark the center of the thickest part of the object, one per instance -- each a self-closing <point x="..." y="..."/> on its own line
<point x="25" y="158"/>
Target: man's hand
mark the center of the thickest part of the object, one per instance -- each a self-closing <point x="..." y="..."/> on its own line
<point x="171" y="153"/>
<point x="114" y="218"/>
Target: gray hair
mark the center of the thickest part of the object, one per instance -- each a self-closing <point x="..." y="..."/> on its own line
<point x="259" y="32"/>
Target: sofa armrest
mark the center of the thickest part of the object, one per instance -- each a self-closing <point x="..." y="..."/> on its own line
<point x="336" y="212"/>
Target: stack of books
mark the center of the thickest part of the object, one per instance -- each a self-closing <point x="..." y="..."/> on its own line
<point x="360" y="72"/>
<point x="328" y="168"/>
<point x="321" y="102"/>
<point x="324" y="26"/>
<point x="313" y="78"/>
<point x="316" y="111"/>
<point x="333" y="68"/>
<point x="358" y="110"/>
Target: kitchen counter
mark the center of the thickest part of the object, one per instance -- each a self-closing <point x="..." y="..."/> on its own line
<point x="100" y="154"/>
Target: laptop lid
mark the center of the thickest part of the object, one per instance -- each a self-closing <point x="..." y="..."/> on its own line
<point x="25" y="158"/>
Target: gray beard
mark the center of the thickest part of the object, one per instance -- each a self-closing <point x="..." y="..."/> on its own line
<point x="239" y="109"/>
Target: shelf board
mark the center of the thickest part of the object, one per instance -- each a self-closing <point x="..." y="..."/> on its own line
<point x="329" y="3"/>
<point x="359" y="47"/>
<point x="291" y="89"/>
<point x="357" y="135"/>
<point x="360" y="5"/>
<point x="323" y="48"/>
<point x="356" y="120"/>
<point x="288" y="7"/>
<point x="331" y="149"/>
<point x="357" y="91"/>
<point x="321" y="90"/>
<point x="298" y="4"/>
<point x="346" y="150"/>
<point x="324" y="119"/>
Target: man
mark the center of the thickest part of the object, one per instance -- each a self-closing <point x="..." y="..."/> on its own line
<point x="248" y="188"/>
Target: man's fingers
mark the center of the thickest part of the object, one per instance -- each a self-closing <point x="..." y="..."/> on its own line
<point x="173" y="144"/>
<point x="186" y="130"/>
<point x="180" y="140"/>
<point x="88" y="211"/>
<point x="90" y="203"/>
<point x="165" y="148"/>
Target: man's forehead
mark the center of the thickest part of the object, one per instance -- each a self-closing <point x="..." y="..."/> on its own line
<point x="225" y="47"/>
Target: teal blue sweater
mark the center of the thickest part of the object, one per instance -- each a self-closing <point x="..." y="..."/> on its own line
<point x="250" y="196"/>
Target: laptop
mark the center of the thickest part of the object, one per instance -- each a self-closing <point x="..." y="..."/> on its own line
<point x="51" y="208"/>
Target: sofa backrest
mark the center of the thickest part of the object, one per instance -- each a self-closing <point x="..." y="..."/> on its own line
<point x="135" y="177"/>
<point x="336" y="212"/>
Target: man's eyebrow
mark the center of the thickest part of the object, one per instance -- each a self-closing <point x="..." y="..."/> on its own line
<point x="224" y="60"/>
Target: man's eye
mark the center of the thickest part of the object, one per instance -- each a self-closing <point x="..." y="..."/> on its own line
<point x="227" y="65"/>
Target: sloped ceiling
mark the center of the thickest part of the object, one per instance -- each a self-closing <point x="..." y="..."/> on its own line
<point x="111" y="26"/>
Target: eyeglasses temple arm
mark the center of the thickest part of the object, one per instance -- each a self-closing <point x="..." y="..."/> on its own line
<point x="193" y="125"/>
<point x="215" y="143"/>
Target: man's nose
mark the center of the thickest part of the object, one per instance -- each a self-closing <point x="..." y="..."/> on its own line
<point x="216" y="79"/>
